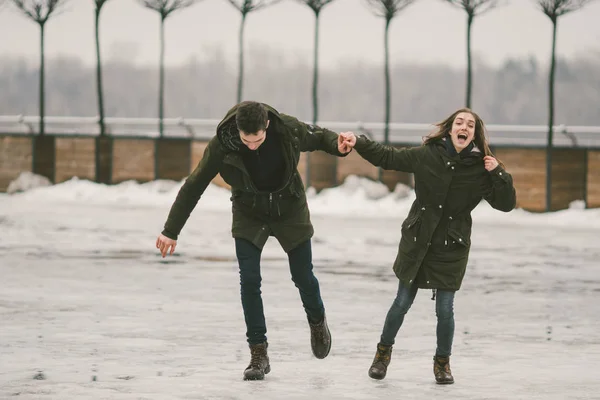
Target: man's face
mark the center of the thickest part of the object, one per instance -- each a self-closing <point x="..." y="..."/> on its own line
<point x="254" y="140"/>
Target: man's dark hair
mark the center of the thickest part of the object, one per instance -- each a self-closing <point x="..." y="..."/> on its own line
<point x="251" y="117"/>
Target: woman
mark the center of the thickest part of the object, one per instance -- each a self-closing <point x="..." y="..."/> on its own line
<point x="453" y="170"/>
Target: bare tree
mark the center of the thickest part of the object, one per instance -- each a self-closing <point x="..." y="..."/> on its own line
<point x="387" y="9"/>
<point x="245" y="7"/>
<point x="99" y="90"/>
<point x="473" y="8"/>
<point x="316" y="6"/>
<point x="554" y="9"/>
<point x="40" y="12"/>
<point x="164" y="8"/>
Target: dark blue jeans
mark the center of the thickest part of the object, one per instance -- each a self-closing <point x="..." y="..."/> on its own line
<point x="301" y="267"/>
<point x="444" y="310"/>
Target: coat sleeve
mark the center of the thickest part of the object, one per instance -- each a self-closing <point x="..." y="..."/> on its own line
<point x="388" y="157"/>
<point x="313" y="137"/>
<point x="193" y="188"/>
<point x="500" y="192"/>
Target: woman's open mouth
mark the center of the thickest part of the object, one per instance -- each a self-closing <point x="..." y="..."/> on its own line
<point x="462" y="138"/>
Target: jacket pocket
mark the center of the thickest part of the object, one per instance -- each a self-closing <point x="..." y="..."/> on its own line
<point x="412" y="221"/>
<point x="455" y="237"/>
<point x="247" y="202"/>
<point x="296" y="186"/>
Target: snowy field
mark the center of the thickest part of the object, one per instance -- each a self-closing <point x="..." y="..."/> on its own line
<point x="89" y="307"/>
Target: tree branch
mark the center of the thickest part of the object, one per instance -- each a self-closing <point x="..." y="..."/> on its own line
<point x="246" y="6"/>
<point x="100" y="3"/>
<point x="166" y="7"/>
<point x="388" y="9"/>
<point x="38" y="10"/>
<point x="315" y="5"/>
<point x="475" y="7"/>
<point x="556" y="8"/>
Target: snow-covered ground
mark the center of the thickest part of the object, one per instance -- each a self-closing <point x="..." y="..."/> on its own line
<point x="87" y="303"/>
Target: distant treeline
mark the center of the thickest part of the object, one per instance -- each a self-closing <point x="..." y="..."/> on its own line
<point x="515" y="93"/>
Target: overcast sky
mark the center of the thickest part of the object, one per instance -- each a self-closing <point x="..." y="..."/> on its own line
<point x="426" y="32"/>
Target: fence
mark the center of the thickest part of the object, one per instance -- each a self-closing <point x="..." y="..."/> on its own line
<point x="133" y="150"/>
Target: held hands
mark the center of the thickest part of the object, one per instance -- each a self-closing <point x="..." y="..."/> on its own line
<point x="346" y="142"/>
<point x="490" y="163"/>
<point x="163" y="243"/>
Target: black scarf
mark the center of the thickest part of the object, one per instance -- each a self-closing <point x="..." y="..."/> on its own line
<point x="452" y="151"/>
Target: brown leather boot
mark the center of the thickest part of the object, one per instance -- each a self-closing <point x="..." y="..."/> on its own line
<point x="259" y="363"/>
<point x="441" y="370"/>
<point x="382" y="359"/>
<point x="320" y="338"/>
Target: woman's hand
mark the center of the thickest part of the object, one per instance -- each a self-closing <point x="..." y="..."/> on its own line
<point x="490" y="163"/>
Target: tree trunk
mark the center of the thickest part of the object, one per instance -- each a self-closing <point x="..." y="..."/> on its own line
<point x="386" y="73"/>
<point x="315" y="86"/>
<point x="161" y="78"/>
<point x="469" y="61"/>
<point x="550" y="117"/>
<point x="42" y="88"/>
<point x="241" y="59"/>
<point x="315" y="82"/>
<point x="99" y="89"/>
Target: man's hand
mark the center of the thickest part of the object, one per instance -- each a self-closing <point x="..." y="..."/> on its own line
<point x="346" y="142"/>
<point x="490" y="163"/>
<point x="163" y="243"/>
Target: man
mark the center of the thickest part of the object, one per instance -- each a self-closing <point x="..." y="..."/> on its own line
<point x="256" y="151"/>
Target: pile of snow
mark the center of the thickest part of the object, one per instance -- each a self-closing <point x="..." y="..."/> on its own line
<point x="154" y="193"/>
<point x="26" y="181"/>
<point x="357" y="197"/>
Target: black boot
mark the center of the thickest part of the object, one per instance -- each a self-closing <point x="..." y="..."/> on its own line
<point x="259" y="363"/>
<point x="441" y="370"/>
<point x="381" y="361"/>
<point x="320" y="338"/>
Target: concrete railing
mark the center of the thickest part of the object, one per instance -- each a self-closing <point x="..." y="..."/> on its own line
<point x="408" y="133"/>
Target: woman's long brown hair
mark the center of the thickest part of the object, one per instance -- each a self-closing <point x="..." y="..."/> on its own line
<point x="480" y="139"/>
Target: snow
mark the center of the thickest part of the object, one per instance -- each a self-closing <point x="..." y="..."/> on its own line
<point x="26" y="181"/>
<point x="356" y="197"/>
<point x="86" y="300"/>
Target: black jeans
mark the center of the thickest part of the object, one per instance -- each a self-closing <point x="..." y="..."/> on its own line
<point x="444" y="310"/>
<point x="300" y="259"/>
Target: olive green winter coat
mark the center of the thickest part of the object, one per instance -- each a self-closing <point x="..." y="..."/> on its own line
<point x="257" y="215"/>
<point x="436" y="235"/>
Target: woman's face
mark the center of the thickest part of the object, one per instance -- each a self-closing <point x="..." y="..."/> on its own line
<point x="463" y="130"/>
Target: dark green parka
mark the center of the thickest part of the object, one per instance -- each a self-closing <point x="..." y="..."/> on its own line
<point x="436" y="235"/>
<point x="257" y="215"/>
